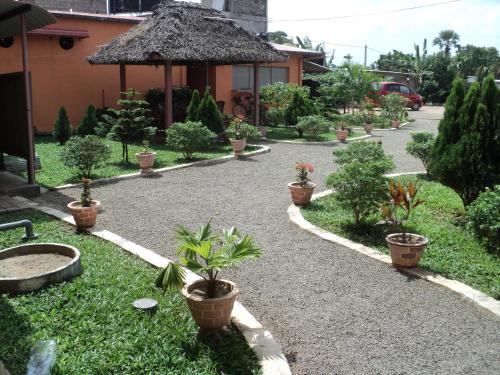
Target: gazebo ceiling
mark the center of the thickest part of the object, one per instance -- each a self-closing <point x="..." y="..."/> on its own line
<point x="36" y="17"/>
<point x="186" y="33"/>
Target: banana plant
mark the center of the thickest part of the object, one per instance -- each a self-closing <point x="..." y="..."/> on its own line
<point x="206" y="254"/>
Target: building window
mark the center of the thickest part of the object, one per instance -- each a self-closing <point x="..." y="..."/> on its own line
<point x="228" y="5"/>
<point x="243" y="76"/>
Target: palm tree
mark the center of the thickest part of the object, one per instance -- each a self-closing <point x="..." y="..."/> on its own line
<point x="446" y="40"/>
<point x="418" y="63"/>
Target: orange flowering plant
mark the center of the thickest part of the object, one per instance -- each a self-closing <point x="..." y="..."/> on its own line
<point x="402" y="201"/>
<point x="303" y="170"/>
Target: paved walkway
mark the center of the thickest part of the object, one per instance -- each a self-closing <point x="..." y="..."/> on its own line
<point x="333" y="310"/>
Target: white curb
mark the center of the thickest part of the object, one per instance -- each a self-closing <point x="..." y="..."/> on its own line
<point x="388" y="129"/>
<point x="260" y="340"/>
<point x="222" y="159"/>
<point x="334" y="142"/>
<point x="462" y="289"/>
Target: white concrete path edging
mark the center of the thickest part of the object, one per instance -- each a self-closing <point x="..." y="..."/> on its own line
<point x="222" y="159"/>
<point x="260" y="340"/>
<point x="388" y="129"/>
<point x="334" y="142"/>
<point x="462" y="289"/>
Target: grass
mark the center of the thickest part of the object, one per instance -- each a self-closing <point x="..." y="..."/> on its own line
<point x="55" y="173"/>
<point x="291" y="134"/>
<point x="94" y="324"/>
<point x="453" y="251"/>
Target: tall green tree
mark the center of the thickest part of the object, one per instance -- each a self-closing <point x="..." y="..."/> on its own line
<point x="89" y="122"/>
<point x="193" y="109"/>
<point x="209" y="114"/>
<point x="470" y="58"/>
<point x="129" y="122"/>
<point x="62" y="127"/>
<point x="279" y="37"/>
<point x="446" y="40"/>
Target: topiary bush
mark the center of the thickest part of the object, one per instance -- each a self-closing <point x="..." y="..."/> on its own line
<point x="193" y="110"/>
<point x="85" y="154"/>
<point x="62" y="127"/>
<point x="313" y="126"/>
<point x="188" y="138"/>
<point x="209" y="115"/>
<point x="299" y="107"/>
<point x="360" y="183"/>
<point x="89" y="122"/>
<point x="483" y="218"/>
<point x="420" y="147"/>
<point x="275" y="117"/>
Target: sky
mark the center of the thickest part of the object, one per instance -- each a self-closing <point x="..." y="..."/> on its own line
<point x="476" y="21"/>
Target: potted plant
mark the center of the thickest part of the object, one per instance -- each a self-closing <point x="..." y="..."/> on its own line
<point x="85" y="210"/>
<point x="405" y="248"/>
<point x="210" y="299"/>
<point x="342" y="131"/>
<point x="146" y="158"/>
<point x="238" y="132"/>
<point x="303" y="188"/>
<point x="370" y="109"/>
<point x="368" y="124"/>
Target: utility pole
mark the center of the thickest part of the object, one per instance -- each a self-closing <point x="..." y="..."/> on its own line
<point x="366" y="53"/>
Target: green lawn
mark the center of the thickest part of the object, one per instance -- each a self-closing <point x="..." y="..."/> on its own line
<point x="291" y="134"/>
<point x="55" y="173"/>
<point x="452" y="251"/>
<point x="92" y="320"/>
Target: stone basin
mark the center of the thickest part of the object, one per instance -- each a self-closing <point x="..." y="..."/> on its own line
<point x="29" y="267"/>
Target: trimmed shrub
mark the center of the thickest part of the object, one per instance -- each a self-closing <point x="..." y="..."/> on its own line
<point x="420" y="147"/>
<point x="85" y="154"/>
<point x="483" y="218"/>
<point x="242" y="130"/>
<point x="209" y="115"/>
<point x="275" y="117"/>
<point x="62" y="127"/>
<point x="299" y="107"/>
<point x="465" y="154"/>
<point x="89" y="122"/>
<point x="360" y="183"/>
<point x="280" y="95"/>
<point x="130" y="122"/>
<point x="313" y="126"/>
<point x="193" y="110"/>
<point x="189" y="137"/>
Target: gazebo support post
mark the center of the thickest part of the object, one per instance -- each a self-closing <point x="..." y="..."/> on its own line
<point x="123" y="80"/>
<point x="168" y="94"/>
<point x="27" y="90"/>
<point x="256" y="97"/>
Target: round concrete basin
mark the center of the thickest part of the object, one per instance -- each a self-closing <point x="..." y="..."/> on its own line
<point x="26" y="268"/>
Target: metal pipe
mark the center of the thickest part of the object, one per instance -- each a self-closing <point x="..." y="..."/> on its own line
<point x="26" y="224"/>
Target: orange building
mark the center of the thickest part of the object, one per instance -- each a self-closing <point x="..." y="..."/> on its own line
<point x="61" y="75"/>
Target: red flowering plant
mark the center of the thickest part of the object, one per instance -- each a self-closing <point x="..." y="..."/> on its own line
<point x="303" y="170"/>
<point x="239" y="129"/>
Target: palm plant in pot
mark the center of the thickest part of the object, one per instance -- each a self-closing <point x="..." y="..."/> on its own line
<point x="303" y="188"/>
<point x="146" y="158"/>
<point x="239" y="132"/>
<point x="342" y="131"/>
<point x="405" y="248"/>
<point x="210" y="299"/>
<point x="85" y="210"/>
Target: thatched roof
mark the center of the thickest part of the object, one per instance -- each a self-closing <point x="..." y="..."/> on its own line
<point x="186" y="33"/>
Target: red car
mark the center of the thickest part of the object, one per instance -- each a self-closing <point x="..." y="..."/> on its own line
<point x="414" y="101"/>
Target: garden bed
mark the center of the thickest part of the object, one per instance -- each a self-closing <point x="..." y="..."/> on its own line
<point x="94" y="324"/>
<point x="452" y="251"/>
<point x="291" y="134"/>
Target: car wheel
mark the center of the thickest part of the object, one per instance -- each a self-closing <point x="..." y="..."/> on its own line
<point x="415" y="107"/>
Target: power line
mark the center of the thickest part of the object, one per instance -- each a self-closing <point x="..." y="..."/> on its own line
<point x="366" y="14"/>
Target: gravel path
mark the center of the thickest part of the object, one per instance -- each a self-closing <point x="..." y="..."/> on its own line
<point x="333" y="310"/>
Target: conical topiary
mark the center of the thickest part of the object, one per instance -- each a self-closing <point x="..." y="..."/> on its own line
<point x="89" y="122"/>
<point x="209" y="114"/>
<point x="193" y="110"/>
<point x="62" y="127"/>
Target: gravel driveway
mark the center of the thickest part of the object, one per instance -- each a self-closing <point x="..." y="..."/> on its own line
<point x="333" y="310"/>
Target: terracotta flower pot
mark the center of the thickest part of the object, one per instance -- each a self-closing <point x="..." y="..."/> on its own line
<point x="395" y="124"/>
<point x="406" y="254"/>
<point x="146" y="161"/>
<point x="263" y="131"/>
<point x="238" y="145"/>
<point x="301" y="195"/>
<point x="210" y="313"/>
<point x="342" y="134"/>
<point x="85" y="217"/>
<point x="368" y="128"/>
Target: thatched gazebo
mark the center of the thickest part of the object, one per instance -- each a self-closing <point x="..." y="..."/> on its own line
<point x="182" y="33"/>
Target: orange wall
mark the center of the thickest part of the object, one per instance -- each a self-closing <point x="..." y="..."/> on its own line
<point x="64" y="77"/>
